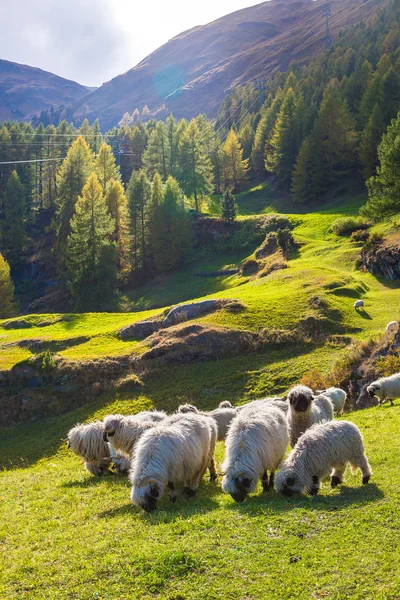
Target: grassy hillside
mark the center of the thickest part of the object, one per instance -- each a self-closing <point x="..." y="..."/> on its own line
<point x="64" y="534"/>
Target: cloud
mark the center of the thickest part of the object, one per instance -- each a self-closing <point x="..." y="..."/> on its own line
<point x="77" y="39"/>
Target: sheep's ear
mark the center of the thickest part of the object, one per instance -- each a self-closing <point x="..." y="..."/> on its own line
<point x="154" y="492"/>
<point x="289" y="481"/>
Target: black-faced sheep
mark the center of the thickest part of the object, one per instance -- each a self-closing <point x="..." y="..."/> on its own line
<point x="225" y="404"/>
<point x="123" y="432"/>
<point x="385" y="388"/>
<point x="222" y="416"/>
<point x="323" y="450"/>
<point x="87" y="442"/>
<point x="337" y="397"/>
<point x="256" y="444"/>
<point x="306" y="410"/>
<point x="177" y="450"/>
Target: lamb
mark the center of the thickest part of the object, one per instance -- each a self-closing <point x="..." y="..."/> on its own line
<point x="123" y="432"/>
<point x="177" y="450"/>
<point x="221" y="415"/>
<point x="359" y="304"/>
<point x="392" y="327"/>
<point x="322" y="450"/>
<point x="336" y="396"/>
<point x="306" y="410"/>
<point x="385" y="388"/>
<point x="87" y="441"/>
<point x="256" y="444"/>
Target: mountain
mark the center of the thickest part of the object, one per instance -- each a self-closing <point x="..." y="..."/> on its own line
<point x="25" y="91"/>
<point x="193" y="72"/>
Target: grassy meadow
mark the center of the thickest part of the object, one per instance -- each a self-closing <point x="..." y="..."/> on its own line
<point x="67" y="535"/>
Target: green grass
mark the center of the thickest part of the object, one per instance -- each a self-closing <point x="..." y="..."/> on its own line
<point x="65" y="534"/>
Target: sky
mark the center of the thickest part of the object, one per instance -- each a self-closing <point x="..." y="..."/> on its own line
<point x="92" y="41"/>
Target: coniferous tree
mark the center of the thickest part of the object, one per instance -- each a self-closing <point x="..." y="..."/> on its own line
<point x="105" y="166"/>
<point x="7" y="303"/>
<point x="195" y="167"/>
<point x="228" y="207"/>
<point x="234" y="167"/>
<point x="139" y="198"/>
<point x="246" y="139"/>
<point x="117" y="206"/>
<point x="97" y="137"/>
<point x="73" y="174"/>
<point x="14" y="215"/>
<point x="306" y="166"/>
<point x="263" y="131"/>
<point x="90" y="252"/>
<point x="384" y="188"/>
<point x="370" y="140"/>
<point x="156" y="156"/>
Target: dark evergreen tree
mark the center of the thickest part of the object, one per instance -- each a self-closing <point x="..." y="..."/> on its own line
<point x="228" y="207"/>
<point x="14" y="215"/>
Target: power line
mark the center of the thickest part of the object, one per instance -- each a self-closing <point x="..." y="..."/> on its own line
<point x="18" y="162"/>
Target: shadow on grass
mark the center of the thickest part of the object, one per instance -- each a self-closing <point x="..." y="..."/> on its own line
<point x="92" y="481"/>
<point x="363" y="313"/>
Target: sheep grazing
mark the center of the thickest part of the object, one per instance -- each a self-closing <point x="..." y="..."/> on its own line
<point x="177" y="450"/>
<point x="323" y="450"/>
<point x="392" y="327"/>
<point x="223" y="417"/>
<point x="385" y="388"/>
<point x="306" y="410"/>
<point x="359" y="304"/>
<point x="225" y="404"/>
<point x="336" y="396"/>
<point x="256" y="444"/>
<point x="123" y="432"/>
<point x="87" y="442"/>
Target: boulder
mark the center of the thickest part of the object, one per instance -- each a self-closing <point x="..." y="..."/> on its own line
<point x="139" y="330"/>
<point x="185" y="312"/>
<point x="383" y="260"/>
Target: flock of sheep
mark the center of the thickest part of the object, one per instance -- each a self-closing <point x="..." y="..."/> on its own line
<point x="161" y="451"/>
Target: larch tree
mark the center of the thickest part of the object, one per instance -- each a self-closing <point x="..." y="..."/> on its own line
<point x="370" y="139"/>
<point x="139" y="199"/>
<point x="73" y="174"/>
<point x="97" y="137"/>
<point x="263" y="131"/>
<point x="14" y="215"/>
<point x="90" y="251"/>
<point x="105" y="166"/>
<point x="234" y="166"/>
<point x="7" y="303"/>
<point x="195" y="167"/>
<point x="117" y="205"/>
<point x="157" y="154"/>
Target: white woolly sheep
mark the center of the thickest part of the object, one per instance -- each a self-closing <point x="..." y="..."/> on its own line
<point x="385" y="388"/>
<point x="359" y="304"/>
<point x="87" y="442"/>
<point x="178" y="450"/>
<point x="123" y="432"/>
<point x="225" y="404"/>
<point x="305" y="409"/>
<point x="323" y="450"/>
<point x="120" y="461"/>
<point x="392" y="327"/>
<point x="276" y="401"/>
<point x="336" y="396"/>
<point x="222" y="416"/>
<point x="256" y="444"/>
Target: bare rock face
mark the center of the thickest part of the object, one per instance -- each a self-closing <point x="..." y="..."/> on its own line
<point x="383" y="260"/>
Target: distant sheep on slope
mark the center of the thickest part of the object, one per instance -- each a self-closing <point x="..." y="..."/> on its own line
<point x="256" y="444"/>
<point x="221" y="415"/>
<point x="392" y="327"/>
<point x="359" y="304"/>
<point x="306" y="410"/>
<point x="385" y="388"/>
<point x="178" y="450"/>
<point x="336" y="396"/>
<point x="87" y="442"/>
<point x="322" y="450"/>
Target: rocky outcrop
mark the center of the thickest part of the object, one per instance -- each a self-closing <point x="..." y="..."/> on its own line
<point x="139" y="330"/>
<point x="269" y="246"/>
<point x="382" y="260"/>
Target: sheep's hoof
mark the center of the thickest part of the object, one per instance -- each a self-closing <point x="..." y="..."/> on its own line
<point x="366" y="479"/>
<point x="335" y="481"/>
<point x="189" y="492"/>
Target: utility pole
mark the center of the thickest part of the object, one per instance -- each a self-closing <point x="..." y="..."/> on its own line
<point x="326" y="10"/>
<point x="261" y="86"/>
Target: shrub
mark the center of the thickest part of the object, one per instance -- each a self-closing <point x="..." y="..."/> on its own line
<point x="275" y="222"/>
<point x="250" y="233"/>
<point x="359" y="236"/>
<point x="285" y="239"/>
<point x="346" y="225"/>
<point x="45" y="361"/>
<point x="250" y="266"/>
<point x="374" y="240"/>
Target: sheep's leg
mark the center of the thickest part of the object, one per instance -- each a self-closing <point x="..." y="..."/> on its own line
<point x="391" y="402"/>
<point x="265" y="482"/>
<point x="363" y="464"/>
<point x="271" y="480"/>
<point x="337" y="475"/>
<point x="213" y="469"/>
<point x="172" y="491"/>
